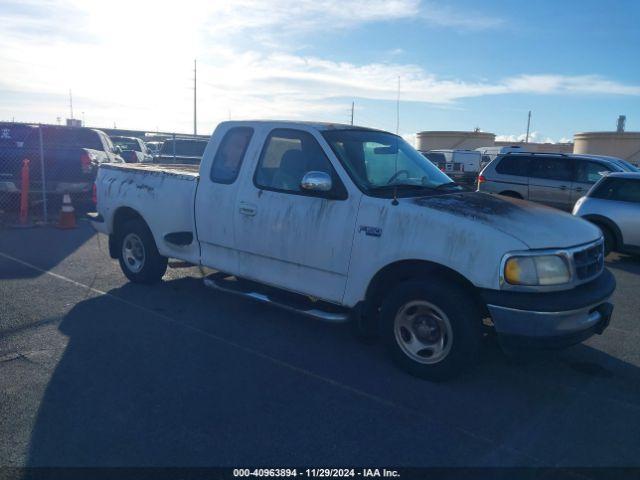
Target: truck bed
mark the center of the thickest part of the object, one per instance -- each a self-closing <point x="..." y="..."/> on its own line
<point x="189" y="172"/>
<point x="163" y="195"/>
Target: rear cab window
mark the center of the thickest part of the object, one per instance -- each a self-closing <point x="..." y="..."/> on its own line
<point x="187" y="148"/>
<point x="228" y="160"/>
<point x="61" y="137"/>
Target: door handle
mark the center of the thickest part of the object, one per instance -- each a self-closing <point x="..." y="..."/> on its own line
<point x="563" y="187"/>
<point x="579" y="189"/>
<point x="247" y="209"/>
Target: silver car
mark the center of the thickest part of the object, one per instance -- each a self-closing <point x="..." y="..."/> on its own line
<point x="613" y="204"/>
<point x="556" y="180"/>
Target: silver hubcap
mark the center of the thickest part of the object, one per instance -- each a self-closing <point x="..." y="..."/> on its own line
<point x="133" y="252"/>
<point x="423" y="332"/>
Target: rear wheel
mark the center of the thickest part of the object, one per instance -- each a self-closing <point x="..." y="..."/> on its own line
<point x="138" y="255"/>
<point x="432" y="331"/>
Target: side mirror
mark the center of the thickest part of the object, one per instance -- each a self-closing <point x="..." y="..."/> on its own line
<point x="316" y="182"/>
<point x="117" y="150"/>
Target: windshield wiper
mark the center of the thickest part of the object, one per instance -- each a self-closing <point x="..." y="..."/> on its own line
<point x="400" y="186"/>
<point x="448" y="184"/>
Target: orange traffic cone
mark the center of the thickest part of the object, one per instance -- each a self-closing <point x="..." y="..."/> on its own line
<point x="67" y="213"/>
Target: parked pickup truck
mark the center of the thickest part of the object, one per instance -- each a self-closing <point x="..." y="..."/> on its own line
<point x="70" y="157"/>
<point x="347" y="223"/>
<point x="133" y="150"/>
<point x="183" y="151"/>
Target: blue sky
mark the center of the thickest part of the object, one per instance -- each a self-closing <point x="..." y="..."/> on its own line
<point x="462" y="64"/>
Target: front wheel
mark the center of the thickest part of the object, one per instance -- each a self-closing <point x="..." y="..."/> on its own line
<point x="609" y="239"/>
<point x="433" y="331"/>
<point x="138" y="255"/>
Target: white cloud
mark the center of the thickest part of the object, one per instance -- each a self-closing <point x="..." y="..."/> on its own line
<point x="410" y="138"/>
<point x="534" y="137"/>
<point x="139" y="73"/>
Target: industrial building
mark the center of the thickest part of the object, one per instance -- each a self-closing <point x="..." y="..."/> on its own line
<point x="625" y="145"/>
<point x="619" y="143"/>
<point x="444" y="140"/>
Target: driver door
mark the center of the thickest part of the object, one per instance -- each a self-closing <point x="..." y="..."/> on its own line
<point x="288" y="237"/>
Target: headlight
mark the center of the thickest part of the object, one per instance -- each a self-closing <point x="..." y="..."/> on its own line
<point x="537" y="270"/>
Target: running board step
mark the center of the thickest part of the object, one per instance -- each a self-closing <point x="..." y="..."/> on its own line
<point x="285" y="300"/>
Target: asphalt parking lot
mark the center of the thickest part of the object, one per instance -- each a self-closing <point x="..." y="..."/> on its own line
<point x="95" y="371"/>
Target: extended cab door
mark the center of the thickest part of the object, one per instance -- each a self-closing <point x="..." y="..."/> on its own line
<point x="289" y="237"/>
<point x="215" y="205"/>
<point x="550" y="180"/>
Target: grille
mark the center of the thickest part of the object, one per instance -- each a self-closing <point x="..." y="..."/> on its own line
<point x="589" y="261"/>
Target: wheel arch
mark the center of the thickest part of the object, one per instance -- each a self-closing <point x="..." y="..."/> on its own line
<point x="511" y="193"/>
<point x="602" y="221"/>
<point x="120" y="217"/>
<point x="404" y="270"/>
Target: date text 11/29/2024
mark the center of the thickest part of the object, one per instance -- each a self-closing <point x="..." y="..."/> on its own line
<point x="316" y="472"/>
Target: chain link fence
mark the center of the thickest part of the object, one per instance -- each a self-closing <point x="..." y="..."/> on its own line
<point x="38" y="166"/>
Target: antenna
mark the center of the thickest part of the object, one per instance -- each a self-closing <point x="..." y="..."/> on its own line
<point x="395" y="189"/>
<point x="526" y="140"/>
<point x="70" y="103"/>
<point x="195" y="106"/>
<point x="398" y="108"/>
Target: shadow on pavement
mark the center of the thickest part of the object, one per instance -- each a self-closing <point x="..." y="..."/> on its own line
<point x="624" y="262"/>
<point x="44" y="247"/>
<point x="134" y="390"/>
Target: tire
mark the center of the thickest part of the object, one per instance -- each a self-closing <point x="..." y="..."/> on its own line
<point x="138" y="255"/>
<point x="609" y="239"/>
<point x="444" y="315"/>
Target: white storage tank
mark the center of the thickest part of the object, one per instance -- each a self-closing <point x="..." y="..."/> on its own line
<point x="625" y="145"/>
<point x="452" y="140"/>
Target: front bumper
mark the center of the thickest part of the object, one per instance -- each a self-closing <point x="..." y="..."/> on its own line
<point x="552" y="319"/>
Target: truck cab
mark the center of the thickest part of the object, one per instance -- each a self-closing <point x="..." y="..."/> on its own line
<point x="347" y="223"/>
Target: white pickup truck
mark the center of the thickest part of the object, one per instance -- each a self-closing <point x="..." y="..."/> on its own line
<point x="348" y="223"/>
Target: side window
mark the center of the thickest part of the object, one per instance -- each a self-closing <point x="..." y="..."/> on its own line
<point x="628" y="191"/>
<point x="286" y="157"/>
<point x="620" y="189"/>
<point x="512" y="165"/>
<point x="552" y="168"/>
<point x="228" y="159"/>
<point x="590" y="172"/>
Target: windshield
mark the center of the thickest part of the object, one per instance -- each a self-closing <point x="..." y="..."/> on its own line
<point x="380" y="161"/>
<point x="629" y="167"/>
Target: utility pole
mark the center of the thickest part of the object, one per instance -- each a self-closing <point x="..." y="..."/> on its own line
<point x="398" y="108"/>
<point x="528" y="125"/>
<point x="352" y="106"/>
<point x="195" y="108"/>
<point x="70" y="103"/>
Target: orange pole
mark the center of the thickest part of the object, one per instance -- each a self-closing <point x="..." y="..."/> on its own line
<point x="24" y="193"/>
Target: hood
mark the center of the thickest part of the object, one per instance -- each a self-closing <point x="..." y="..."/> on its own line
<point x="537" y="226"/>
